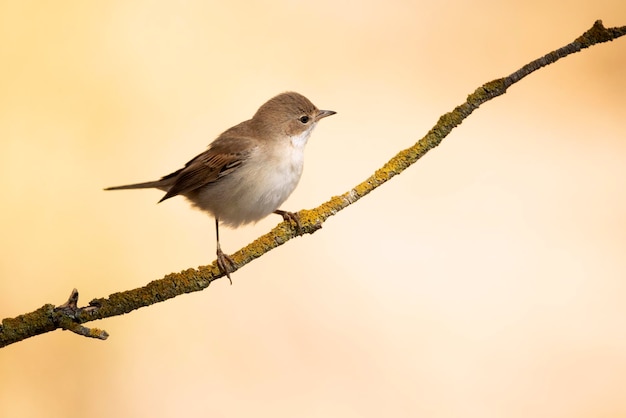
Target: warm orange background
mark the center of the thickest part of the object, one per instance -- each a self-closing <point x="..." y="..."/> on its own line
<point x="488" y="280"/>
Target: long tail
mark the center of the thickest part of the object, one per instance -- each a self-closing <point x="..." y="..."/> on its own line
<point x="162" y="184"/>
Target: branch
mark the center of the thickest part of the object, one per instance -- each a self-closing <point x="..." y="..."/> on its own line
<point x="68" y="316"/>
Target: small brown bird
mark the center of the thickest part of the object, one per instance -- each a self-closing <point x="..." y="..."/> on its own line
<point x="249" y="170"/>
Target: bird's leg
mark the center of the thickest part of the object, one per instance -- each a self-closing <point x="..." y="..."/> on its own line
<point x="290" y="217"/>
<point x="224" y="262"/>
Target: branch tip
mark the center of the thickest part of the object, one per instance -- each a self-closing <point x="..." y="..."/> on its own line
<point x="71" y="304"/>
<point x="76" y="328"/>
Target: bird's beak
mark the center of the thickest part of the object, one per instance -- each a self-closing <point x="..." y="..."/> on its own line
<point x="323" y="113"/>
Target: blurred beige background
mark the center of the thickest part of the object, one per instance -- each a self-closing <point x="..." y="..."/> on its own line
<point x="488" y="280"/>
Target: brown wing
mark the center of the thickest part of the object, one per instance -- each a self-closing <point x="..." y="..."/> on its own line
<point x="223" y="156"/>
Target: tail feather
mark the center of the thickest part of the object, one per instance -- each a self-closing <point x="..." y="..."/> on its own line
<point x="158" y="184"/>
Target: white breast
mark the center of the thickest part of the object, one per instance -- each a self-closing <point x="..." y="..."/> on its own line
<point x="260" y="185"/>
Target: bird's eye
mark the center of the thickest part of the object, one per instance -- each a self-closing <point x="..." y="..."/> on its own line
<point x="304" y="119"/>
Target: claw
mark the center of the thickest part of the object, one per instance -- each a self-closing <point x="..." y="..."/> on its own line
<point x="291" y="217"/>
<point x="225" y="263"/>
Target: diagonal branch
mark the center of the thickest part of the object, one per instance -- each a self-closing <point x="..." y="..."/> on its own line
<point x="69" y="316"/>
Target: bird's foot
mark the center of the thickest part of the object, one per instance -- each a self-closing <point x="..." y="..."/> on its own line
<point x="291" y="217"/>
<point x="225" y="263"/>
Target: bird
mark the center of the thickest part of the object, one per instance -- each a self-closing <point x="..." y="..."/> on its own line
<point x="249" y="170"/>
